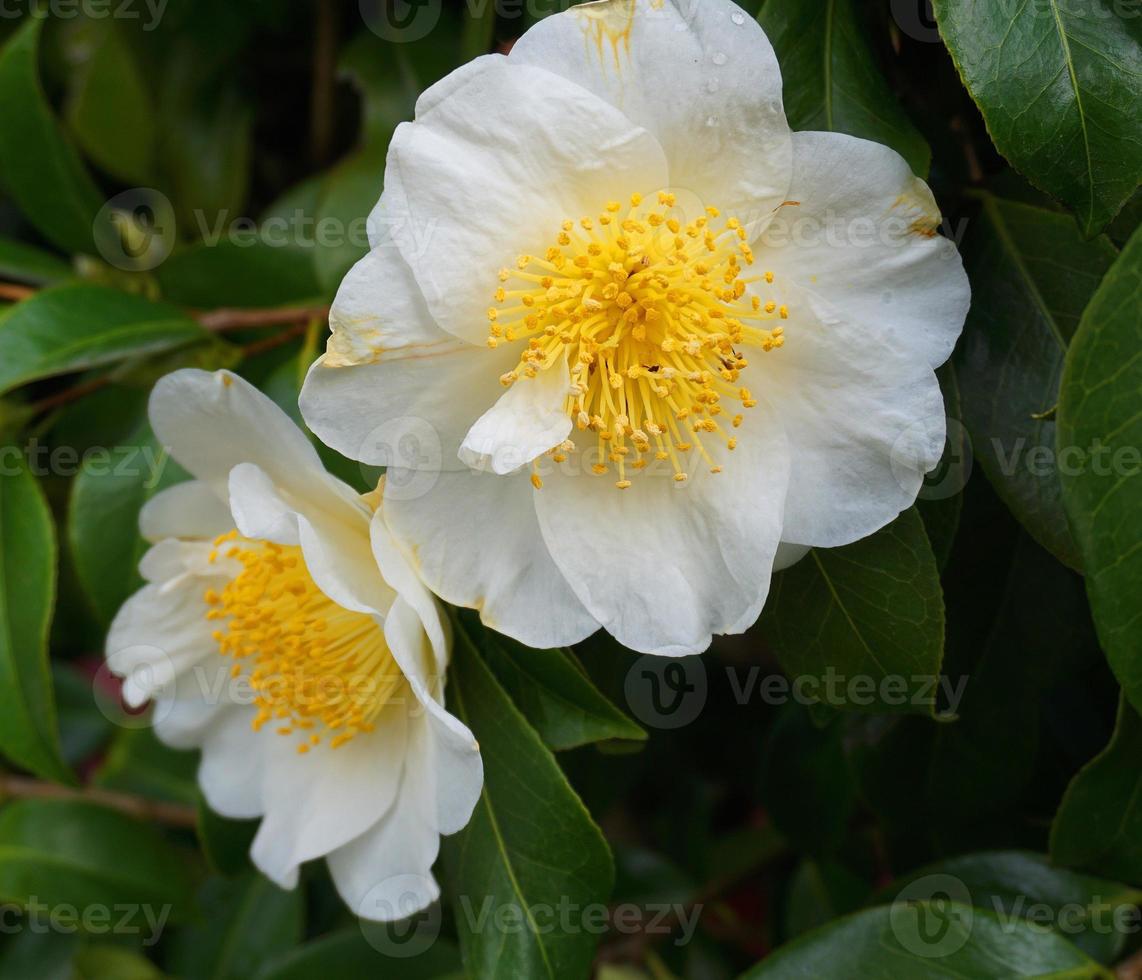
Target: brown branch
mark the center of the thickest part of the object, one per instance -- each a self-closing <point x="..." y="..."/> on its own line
<point x="69" y="395"/>
<point x="154" y="811"/>
<point x="222" y="320"/>
<point x="261" y="346"/>
<point x="15" y="292"/>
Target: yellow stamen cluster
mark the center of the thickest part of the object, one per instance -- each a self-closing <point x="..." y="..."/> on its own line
<point x="650" y="313"/>
<point x="317" y="670"/>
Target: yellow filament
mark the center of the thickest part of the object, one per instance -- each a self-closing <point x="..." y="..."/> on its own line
<point x="654" y="317"/>
<point x="317" y="671"/>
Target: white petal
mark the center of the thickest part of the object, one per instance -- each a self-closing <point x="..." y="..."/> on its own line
<point x="788" y="555"/>
<point x="865" y="422"/>
<point x="318" y="802"/>
<point x="448" y="755"/>
<point x="186" y="510"/>
<point x="259" y="511"/>
<point x="864" y="238"/>
<point x="233" y="764"/>
<point x="379" y="313"/>
<point x="412" y="412"/>
<point x="492" y="170"/>
<point x="474" y="540"/>
<point x="527" y="421"/>
<point x="700" y="75"/>
<point x="213" y="422"/>
<point x="664" y="565"/>
<point x="386" y="873"/>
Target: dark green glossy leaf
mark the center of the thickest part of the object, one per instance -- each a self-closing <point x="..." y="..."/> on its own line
<point x="138" y="763"/>
<point x="1057" y="83"/>
<point x="28" y="734"/>
<point x="554" y="693"/>
<point x="1031" y="277"/>
<point x="103" y="516"/>
<point x="109" y="108"/>
<point x="43" y="955"/>
<point x="530" y="845"/>
<point x="1100" y="453"/>
<point x="1096" y="914"/>
<point x="226" y="843"/>
<point x="75" y="327"/>
<point x="81" y="854"/>
<point x="819" y="892"/>
<point x="1099" y="823"/>
<point x="27" y="264"/>
<point x="831" y="79"/>
<point x="38" y="165"/>
<point x="246" y="271"/>
<point x="349" y="194"/>
<point x="83" y="728"/>
<point x="348" y="954"/>
<point x="941" y="496"/>
<point x="246" y="922"/>
<point x="877" y="615"/>
<point x="927" y="941"/>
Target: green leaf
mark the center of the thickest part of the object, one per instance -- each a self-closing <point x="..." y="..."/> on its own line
<point x="530" y="845"/>
<point x="1057" y="84"/>
<point x="247" y="921"/>
<point x="39" y="167"/>
<point x="138" y="763"/>
<point x="79" y="853"/>
<point x="831" y="79"/>
<point x="104" y="961"/>
<point x="1093" y="913"/>
<point x="103" y="516"/>
<point x="941" y="497"/>
<point x="83" y="728"/>
<point x="110" y="109"/>
<point x="347" y="954"/>
<point x="28" y="732"/>
<point x="44" y="955"/>
<point x="75" y="327"/>
<point x="553" y="693"/>
<point x="927" y="941"/>
<point x="877" y="615"/>
<point x="226" y="843"/>
<point x="805" y="783"/>
<point x="1031" y="277"/>
<point x="1100" y="453"/>
<point x="819" y="892"/>
<point x="348" y="196"/>
<point x="245" y="272"/>
<point x="32" y="265"/>
<point x="1099" y="823"/>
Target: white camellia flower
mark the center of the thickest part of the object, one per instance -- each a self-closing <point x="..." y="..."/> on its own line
<point x="282" y="632"/>
<point x="660" y="342"/>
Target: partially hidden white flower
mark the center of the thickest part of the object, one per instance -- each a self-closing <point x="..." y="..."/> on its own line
<point x="282" y="632"/>
<point x="660" y="342"/>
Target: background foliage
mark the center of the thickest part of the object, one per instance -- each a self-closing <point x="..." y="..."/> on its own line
<point x="145" y="160"/>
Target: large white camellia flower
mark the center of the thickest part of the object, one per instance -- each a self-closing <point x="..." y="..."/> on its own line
<point x="643" y="341"/>
<point x="283" y="633"/>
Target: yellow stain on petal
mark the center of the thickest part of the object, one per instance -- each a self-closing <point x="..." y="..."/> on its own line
<point x="609" y="22"/>
<point x="920" y="206"/>
<point x="318" y="672"/>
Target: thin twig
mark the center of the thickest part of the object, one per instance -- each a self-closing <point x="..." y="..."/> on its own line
<point x="219" y="321"/>
<point x="69" y="395"/>
<point x="15" y="292"/>
<point x="261" y="346"/>
<point x="155" y="811"/>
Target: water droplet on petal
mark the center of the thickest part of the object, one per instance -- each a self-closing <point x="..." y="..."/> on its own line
<point x="720" y="58"/>
<point x="711" y="121"/>
<point x="738" y="18"/>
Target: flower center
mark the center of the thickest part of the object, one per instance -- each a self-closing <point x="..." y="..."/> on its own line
<point x="317" y="670"/>
<point x="654" y="317"/>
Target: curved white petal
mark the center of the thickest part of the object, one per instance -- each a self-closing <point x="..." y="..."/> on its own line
<point x="493" y="169"/>
<point x="664" y="565"/>
<point x="788" y="555"/>
<point x="864" y="237"/>
<point x="411" y="412"/>
<point x="385" y="874"/>
<point x="700" y="75"/>
<point x="379" y="313"/>
<point x="186" y="510"/>
<point x="318" y="802"/>
<point x="865" y="422"/>
<point x="233" y="762"/>
<point x="260" y="512"/>
<point x="474" y="540"/>
<point x="213" y="422"/>
<point x="448" y="754"/>
<point x="526" y="421"/>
